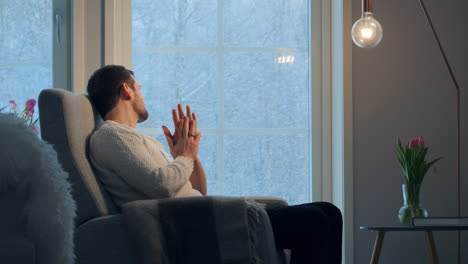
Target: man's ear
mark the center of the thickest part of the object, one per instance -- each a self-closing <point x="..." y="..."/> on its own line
<point x="126" y="92"/>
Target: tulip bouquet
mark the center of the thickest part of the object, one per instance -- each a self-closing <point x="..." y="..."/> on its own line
<point x="412" y="158"/>
<point x="26" y="114"/>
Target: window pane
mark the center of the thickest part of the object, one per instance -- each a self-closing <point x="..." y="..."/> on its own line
<point x="262" y="93"/>
<point x="25" y="50"/>
<point x="208" y="157"/>
<point x="268" y="165"/>
<point x="174" y="23"/>
<point x="266" y="23"/>
<point x="170" y="78"/>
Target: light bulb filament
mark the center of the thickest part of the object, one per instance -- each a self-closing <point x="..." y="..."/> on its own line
<point x="367" y="33"/>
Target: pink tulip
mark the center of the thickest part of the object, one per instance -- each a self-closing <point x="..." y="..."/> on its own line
<point x="30" y="103"/>
<point x="421" y="141"/>
<point x="12" y="104"/>
<point x="29" y="112"/>
<point x="414" y="143"/>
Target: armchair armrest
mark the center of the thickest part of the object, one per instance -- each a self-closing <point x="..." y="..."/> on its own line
<point x="104" y="240"/>
<point x="227" y="222"/>
<point x="268" y="200"/>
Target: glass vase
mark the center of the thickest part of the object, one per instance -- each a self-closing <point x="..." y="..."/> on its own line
<point x="412" y="205"/>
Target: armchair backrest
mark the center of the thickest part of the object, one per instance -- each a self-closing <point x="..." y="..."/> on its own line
<point x="67" y="120"/>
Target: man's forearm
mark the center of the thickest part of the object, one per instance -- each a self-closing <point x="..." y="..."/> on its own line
<point x="198" y="177"/>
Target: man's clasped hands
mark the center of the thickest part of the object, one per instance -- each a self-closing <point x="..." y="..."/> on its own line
<point x="186" y="137"/>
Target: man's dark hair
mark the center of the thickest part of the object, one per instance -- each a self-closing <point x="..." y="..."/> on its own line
<point x="104" y="86"/>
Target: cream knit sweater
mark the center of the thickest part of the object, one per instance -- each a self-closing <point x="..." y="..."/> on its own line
<point x="133" y="166"/>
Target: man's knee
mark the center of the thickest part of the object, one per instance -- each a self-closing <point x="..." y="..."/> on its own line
<point x="331" y="211"/>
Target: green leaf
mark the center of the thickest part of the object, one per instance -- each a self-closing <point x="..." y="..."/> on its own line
<point x="427" y="166"/>
<point x="423" y="154"/>
<point x="433" y="162"/>
<point x="408" y="156"/>
<point x="400" y="148"/>
<point x="402" y="163"/>
<point x="35" y="121"/>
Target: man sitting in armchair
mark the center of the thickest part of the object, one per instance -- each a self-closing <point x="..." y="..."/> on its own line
<point x="134" y="166"/>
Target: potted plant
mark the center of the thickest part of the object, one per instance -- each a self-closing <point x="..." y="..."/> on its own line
<point x="412" y="158"/>
<point x="26" y="114"/>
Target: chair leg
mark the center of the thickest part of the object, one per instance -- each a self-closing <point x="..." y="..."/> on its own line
<point x="432" y="248"/>
<point x="377" y="247"/>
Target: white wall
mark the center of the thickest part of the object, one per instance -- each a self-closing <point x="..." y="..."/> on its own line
<point x="402" y="89"/>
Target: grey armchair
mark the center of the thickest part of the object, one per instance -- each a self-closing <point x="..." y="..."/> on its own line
<point x="101" y="235"/>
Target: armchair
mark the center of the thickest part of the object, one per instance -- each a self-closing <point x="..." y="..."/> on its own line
<point x="101" y="235"/>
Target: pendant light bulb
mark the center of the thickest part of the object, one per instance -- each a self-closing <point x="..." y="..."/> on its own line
<point x="367" y="32"/>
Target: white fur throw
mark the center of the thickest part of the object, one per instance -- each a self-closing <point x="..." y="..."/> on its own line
<point x="28" y="163"/>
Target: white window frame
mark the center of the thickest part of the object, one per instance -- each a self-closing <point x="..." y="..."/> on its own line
<point x="331" y="87"/>
<point x="62" y="41"/>
<point x="342" y="119"/>
<point x="332" y="112"/>
<point x="100" y="29"/>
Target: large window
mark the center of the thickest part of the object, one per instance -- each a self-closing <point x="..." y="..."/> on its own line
<point x="244" y="67"/>
<point x="25" y="50"/>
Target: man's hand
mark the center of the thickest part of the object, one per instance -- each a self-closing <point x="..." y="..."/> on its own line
<point x="184" y="143"/>
<point x="187" y="136"/>
<point x="187" y="142"/>
<point x="177" y="116"/>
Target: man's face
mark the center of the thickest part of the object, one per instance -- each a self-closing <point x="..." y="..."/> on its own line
<point x="138" y="103"/>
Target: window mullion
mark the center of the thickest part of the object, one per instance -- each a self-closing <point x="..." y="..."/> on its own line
<point x="315" y="54"/>
<point x="220" y="80"/>
<point x="326" y="122"/>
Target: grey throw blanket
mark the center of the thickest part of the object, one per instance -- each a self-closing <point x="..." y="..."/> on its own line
<point x="210" y="229"/>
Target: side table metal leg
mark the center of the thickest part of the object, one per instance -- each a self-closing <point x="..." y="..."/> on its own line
<point x="432" y="248"/>
<point x="377" y="247"/>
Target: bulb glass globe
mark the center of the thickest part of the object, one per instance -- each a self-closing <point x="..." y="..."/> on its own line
<point x="367" y="32"/>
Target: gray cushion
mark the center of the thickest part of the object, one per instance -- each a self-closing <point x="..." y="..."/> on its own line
<point x="67" y="120"/>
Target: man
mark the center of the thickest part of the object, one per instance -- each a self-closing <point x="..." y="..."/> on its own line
<point x="133" y="166"/>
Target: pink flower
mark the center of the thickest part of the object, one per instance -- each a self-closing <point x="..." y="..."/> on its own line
<point x="414" y="143"/>
<point x="29" y="112"/>
<point x="30" y="103"/>
<point x="12" y="104"/>
<point x="420" y="141"/>
<point x="36" y="129"/>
